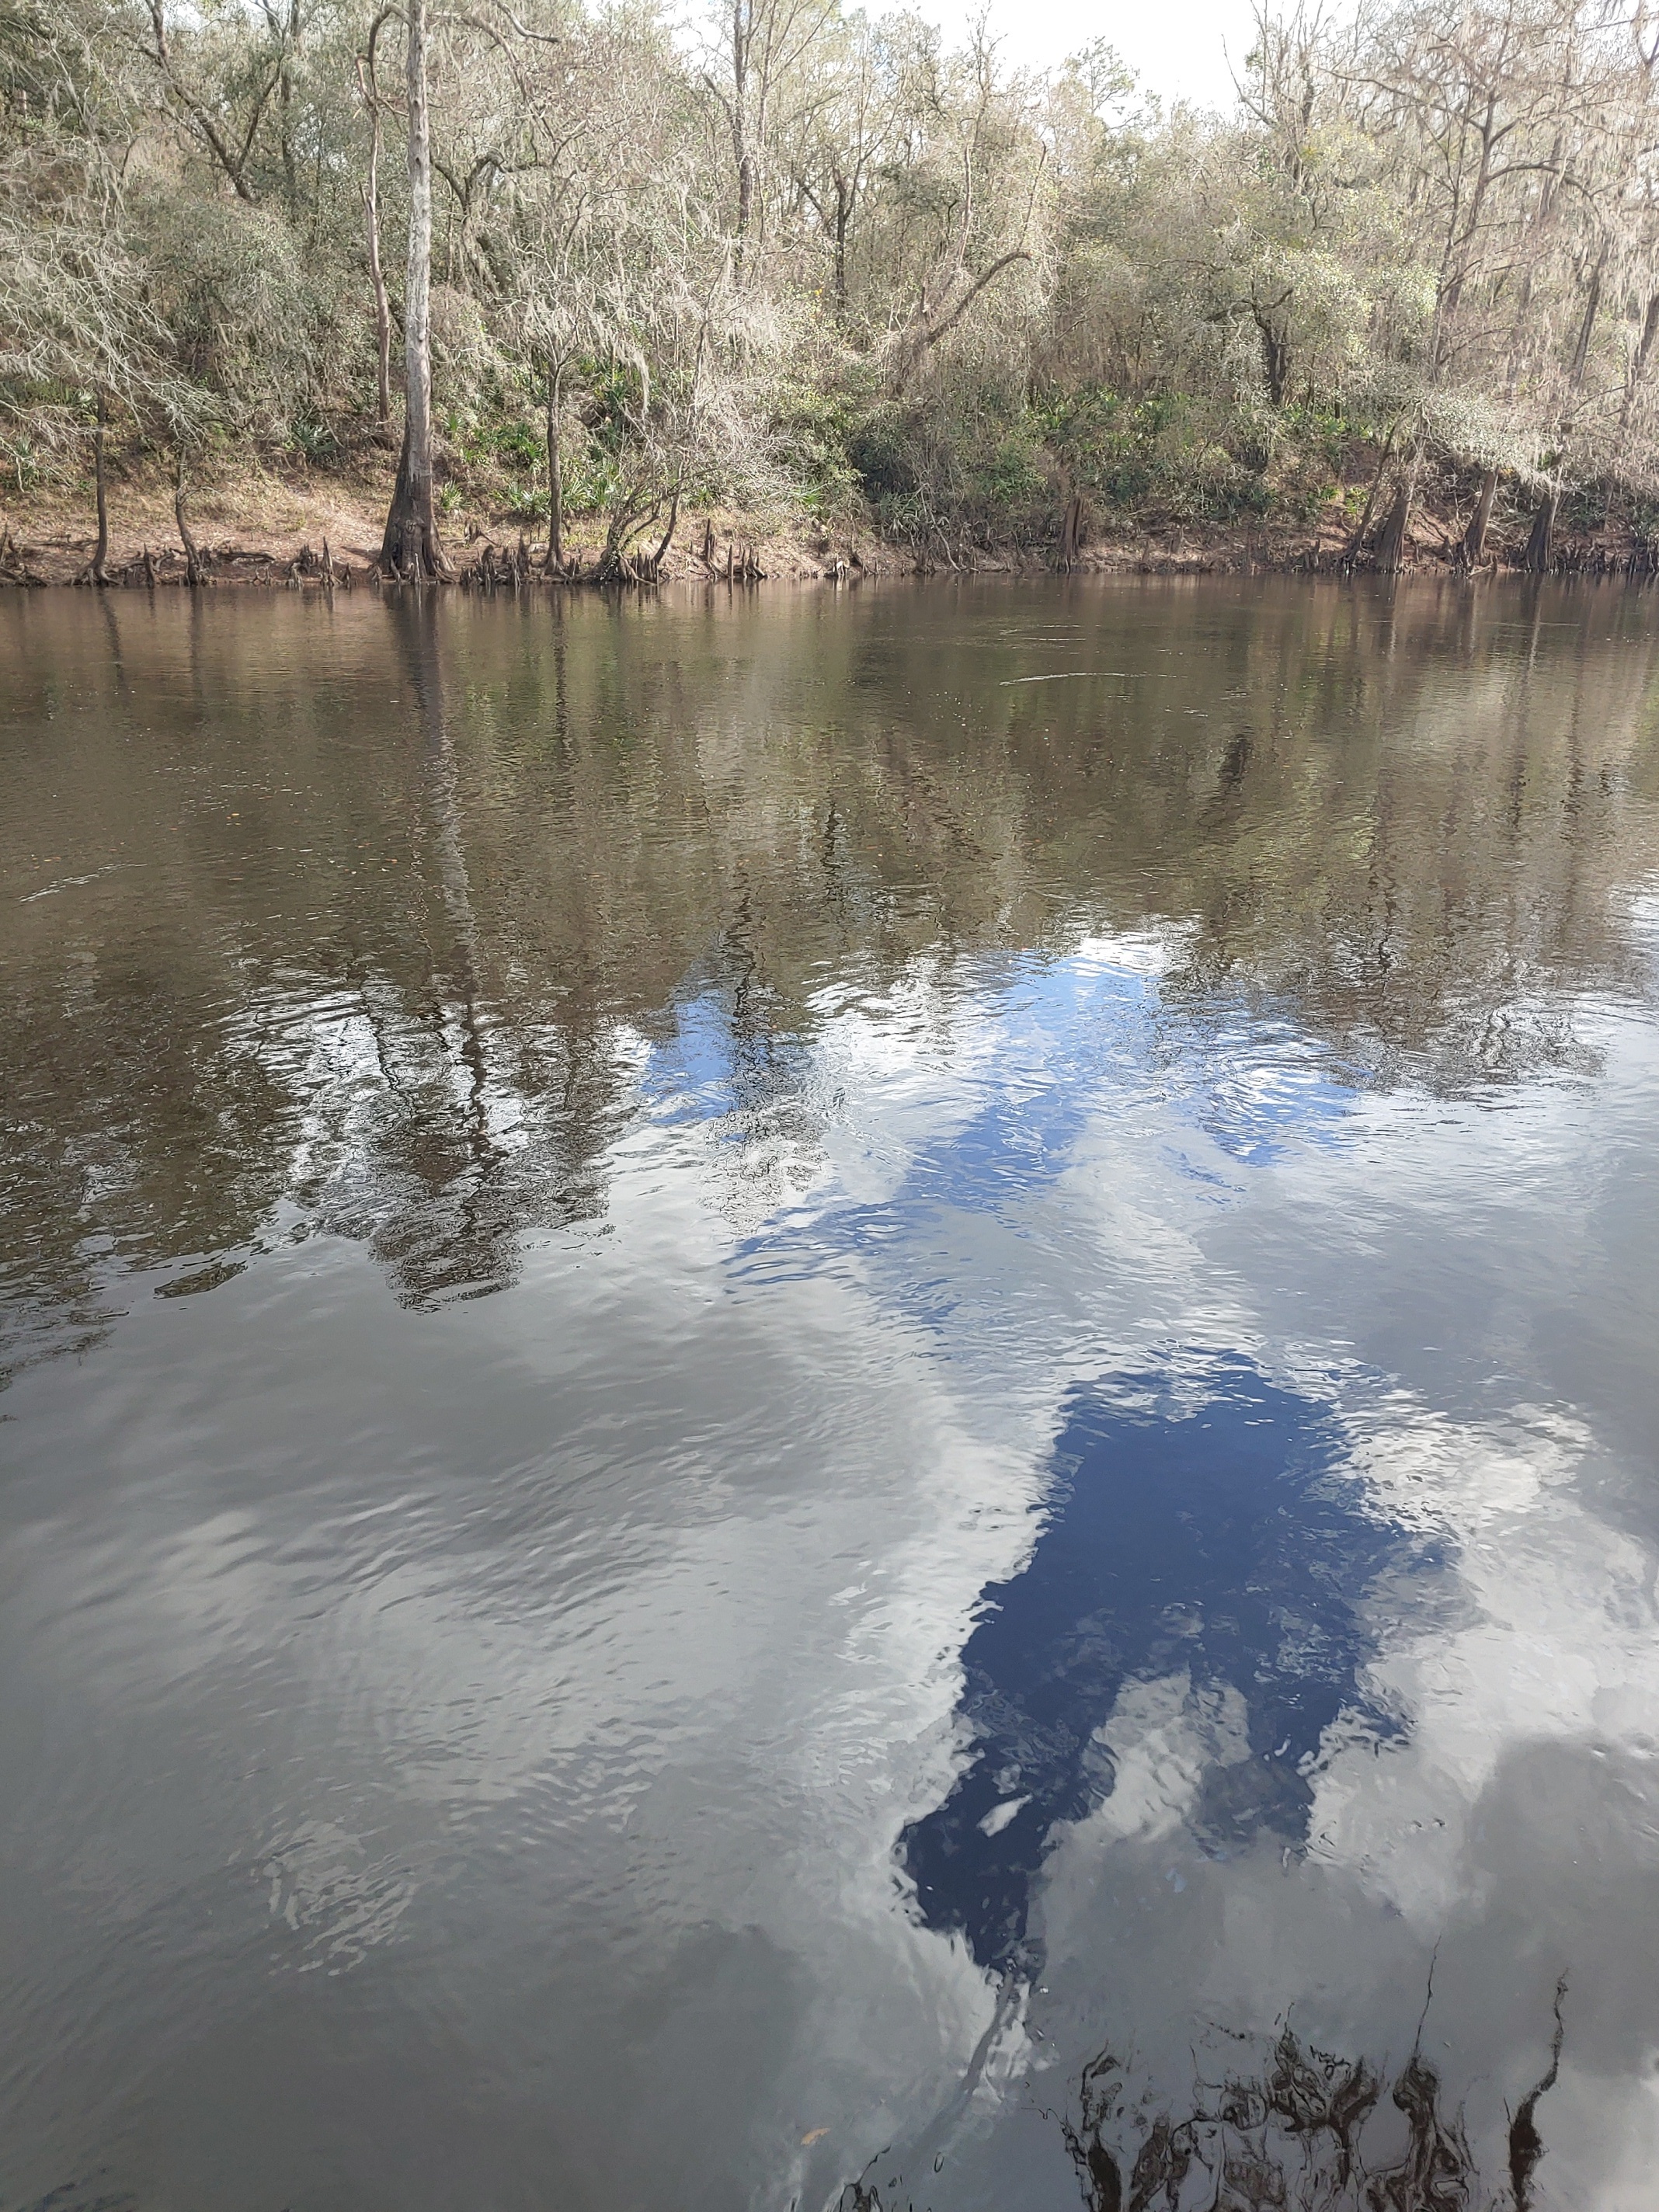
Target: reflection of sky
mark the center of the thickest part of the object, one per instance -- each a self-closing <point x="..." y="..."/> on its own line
<point x="1047" y="1043"/>
<point x="1224" y="1540"/>
<point x="1210" y="1635"/>
<point x="687" y="1645"/>
<point x="1204" y="1529"/>
<point x="700" y="1076"/>
<point x="539" y="1689"/>
<point x="1034" y="1097"/>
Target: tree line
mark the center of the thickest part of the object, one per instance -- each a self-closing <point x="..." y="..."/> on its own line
<point x="599" y="261"/>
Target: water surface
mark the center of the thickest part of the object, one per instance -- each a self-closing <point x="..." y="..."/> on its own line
<point x="843" y="1391"/>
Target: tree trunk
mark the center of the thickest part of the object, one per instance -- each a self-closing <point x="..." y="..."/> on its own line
<point x="1634" y="375"/>
<point x="1391" y="538"/>
<point x="1473" y="544"/>
<point x="742" y="154"/>
<point x="187" y="538"/>
<point x="411" y="543"/>
<point x="377" y="278"/>
<point x="667" y="538"/>
<point x="1454" y="270"/>
<point x="101" y="555"/>
<point x="1358" y="540"/>
<point x="555" y="474"/>
<point x="1542" y="543"/>
<point x="1650" y="327"/>
<point x="1275" y="361"/>
<point x="285" y="135"/>
<point x="1071" y="532"/>
<point x="929" y="326"/>
<point x="285" y="111"/>
<point x="843" y="217"/>
<point x="1592" y="301"/>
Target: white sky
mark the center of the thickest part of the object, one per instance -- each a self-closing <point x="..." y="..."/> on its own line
<point x="1177" y="47"/>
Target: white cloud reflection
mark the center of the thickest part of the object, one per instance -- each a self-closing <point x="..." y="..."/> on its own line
<point x="657" y="1662"/>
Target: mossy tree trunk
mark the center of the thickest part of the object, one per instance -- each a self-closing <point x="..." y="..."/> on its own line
<point x="1356" y="543"/>
<point x="1071" y="532"/>
<point x="187" y="535"/>
<point x="372" y="227"/>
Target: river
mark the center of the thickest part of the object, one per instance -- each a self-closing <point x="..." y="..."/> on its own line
<point x="840" y="1392"/>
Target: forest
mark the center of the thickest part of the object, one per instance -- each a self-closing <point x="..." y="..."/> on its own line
<point x="531" y="267"/>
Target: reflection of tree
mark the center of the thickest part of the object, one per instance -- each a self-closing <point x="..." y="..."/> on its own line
<point x="773" y="1133"/>
<point x="1303" y="2122"/>
<point x="438" y="1216"/>
<point x="380" y="895"/>
<point x="1302" y="2127"/>
<point x="128" y="1136"/>
<point x="487" y="1118"/>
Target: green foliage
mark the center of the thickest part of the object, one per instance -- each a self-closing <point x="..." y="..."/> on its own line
<point x="317" y="441"/>
<point x="814" y="433"/>
<point x="613" y="400"/>
<point x="1168" y="456"/>
<point x="881" y="452"/>
<point x="514" y="441"/>
<point x="1584" y="507"/>
<point x="1014" y="473"/>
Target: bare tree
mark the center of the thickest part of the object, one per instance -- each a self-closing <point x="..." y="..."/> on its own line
<point x="761" y="42"/>
<point x="838" y="135"/>
<point x="832" y="261"/>
<point x="983" y="228"/>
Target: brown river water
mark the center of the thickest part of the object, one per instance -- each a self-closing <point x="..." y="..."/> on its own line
<point x="830" y="1397"/>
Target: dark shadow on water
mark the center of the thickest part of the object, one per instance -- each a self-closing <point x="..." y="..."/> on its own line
<point x="1220" y="1537"/>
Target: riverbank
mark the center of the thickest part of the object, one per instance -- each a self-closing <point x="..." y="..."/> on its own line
<point x="307" y="528"/>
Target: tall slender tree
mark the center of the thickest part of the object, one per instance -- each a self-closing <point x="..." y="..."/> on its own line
<point x="412" y="544"/>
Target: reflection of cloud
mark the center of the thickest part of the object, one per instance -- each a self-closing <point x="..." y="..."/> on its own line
<point x="600" y="1684"/>
<point x="1506" y="1831"/>
<point x="1543" y="1633"/>
<point x="1204" y="1530"/>
<point x="755" y="1099"/>
<point x="1553" y="1640"/>
<point x="968" y="1103"/>
<point x="623" y="1645"/>
<point x="1163" y="1737"/>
